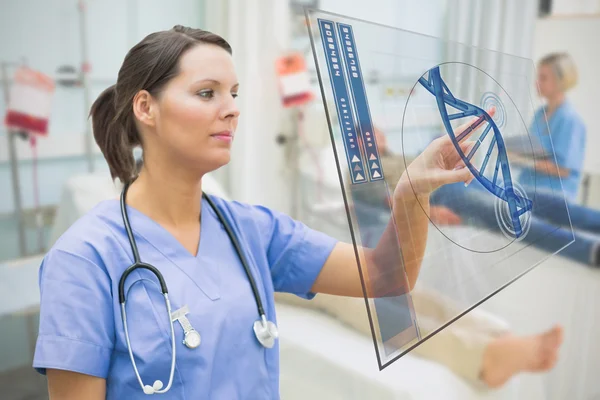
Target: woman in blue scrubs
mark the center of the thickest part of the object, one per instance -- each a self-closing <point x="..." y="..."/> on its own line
<point x="175" y="97"/>
<point x="562" y="131"/>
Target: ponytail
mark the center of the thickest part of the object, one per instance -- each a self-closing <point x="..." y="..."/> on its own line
<point x="115" y="137"/>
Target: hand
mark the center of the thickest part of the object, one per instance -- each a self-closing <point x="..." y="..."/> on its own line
<point x="439" y="164"/>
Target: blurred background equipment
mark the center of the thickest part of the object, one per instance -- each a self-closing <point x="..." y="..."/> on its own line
<point x="296" y="92"/>
<point x="85" y="80"/>
<point x="294" y="81"/>
<point x="29" y="104"/>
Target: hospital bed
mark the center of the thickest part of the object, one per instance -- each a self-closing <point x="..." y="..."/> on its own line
<point x="19" y="311"/>
<point x="322" y="358"/>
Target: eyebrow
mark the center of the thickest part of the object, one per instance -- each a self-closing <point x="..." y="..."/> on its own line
<point x="216" y="82"/>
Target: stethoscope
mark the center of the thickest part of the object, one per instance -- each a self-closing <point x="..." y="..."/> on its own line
<point x="265" y="331"/>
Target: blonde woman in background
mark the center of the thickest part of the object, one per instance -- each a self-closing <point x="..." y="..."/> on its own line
<point x="559" y="124"/>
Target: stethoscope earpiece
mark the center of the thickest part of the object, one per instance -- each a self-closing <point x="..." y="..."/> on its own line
<point x="154" y="388"/>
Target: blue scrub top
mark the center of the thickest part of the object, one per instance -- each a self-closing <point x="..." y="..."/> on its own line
<point x="80" y="318"/>
<point x="568" y="137"/>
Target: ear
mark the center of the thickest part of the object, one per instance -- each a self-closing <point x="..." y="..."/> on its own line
<point x="144" y="108"/>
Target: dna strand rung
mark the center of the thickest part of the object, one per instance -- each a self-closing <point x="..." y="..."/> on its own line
<point x="502" y="188"/>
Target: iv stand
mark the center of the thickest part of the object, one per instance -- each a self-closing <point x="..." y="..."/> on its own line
<point x="14" y="166"/>
<point x="85" y="78"/>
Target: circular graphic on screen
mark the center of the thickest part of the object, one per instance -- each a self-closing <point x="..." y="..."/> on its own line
<point x="454" y="100"/>
<point x="489" y="100"/>
<point x="507" y="222"/>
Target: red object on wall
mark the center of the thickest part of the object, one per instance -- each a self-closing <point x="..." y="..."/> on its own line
<point x="30" y="102"/>
<point x="294" y="81"/>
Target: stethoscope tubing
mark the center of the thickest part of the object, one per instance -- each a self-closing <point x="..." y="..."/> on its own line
<point x="268" y="328"/>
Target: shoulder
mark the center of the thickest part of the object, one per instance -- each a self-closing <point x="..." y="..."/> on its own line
<point x="293" y="252"/>
<point x="268" y="226"/>
<point x="540" y="110"/>
<point x="240" y="211"/>
<point x="249" y="218"/>
<point x="540" y="113"/>
<point x="90" y="237"/>
<point x="571" y="115"/>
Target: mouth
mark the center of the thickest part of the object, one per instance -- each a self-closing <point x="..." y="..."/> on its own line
<point x="226" y="136"/>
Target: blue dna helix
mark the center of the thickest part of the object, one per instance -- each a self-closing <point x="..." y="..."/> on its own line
<point x="503" y="188"/>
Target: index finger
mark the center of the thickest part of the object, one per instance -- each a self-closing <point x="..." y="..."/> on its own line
<point x="466" y="130"/>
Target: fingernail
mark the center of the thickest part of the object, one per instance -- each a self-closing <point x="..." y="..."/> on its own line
<point x="459" y="167"/>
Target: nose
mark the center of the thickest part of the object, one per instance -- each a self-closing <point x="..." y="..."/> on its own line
<point x="230" y="109"/>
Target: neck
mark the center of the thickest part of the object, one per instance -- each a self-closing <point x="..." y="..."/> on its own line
<point x="555" y="101"/>
<point x="168" y="197"/>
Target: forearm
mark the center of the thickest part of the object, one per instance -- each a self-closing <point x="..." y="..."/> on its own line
<point x="389" y="269"/>
<point x="412" y="223"/>
<point x="396" y="260"/>
<point x="550" y="168"/>
<point x="545" y="166"/>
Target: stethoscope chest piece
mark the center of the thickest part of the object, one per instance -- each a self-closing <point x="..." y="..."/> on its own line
<point x="191" y="338"/>
<point x="266" y="332"/>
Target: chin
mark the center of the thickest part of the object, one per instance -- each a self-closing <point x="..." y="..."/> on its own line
<point x="217" y="160"/>
<point x="204" y="161"/>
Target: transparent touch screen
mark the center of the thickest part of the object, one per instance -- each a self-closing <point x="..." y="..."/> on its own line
<point x="388" y="95"/>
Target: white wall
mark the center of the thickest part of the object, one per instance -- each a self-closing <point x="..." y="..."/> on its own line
<point x="577" y="7"/>
<point x="425" y="16"/>
<point x="580" y="37"/>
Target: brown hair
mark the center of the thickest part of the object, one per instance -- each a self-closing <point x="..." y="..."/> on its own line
<point x="564" y="68"/>
<point x="149" y="65"/>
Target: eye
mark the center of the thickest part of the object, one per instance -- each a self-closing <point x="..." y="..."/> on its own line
<point x="207" y="94"/>
<point x="234" y="95"/>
